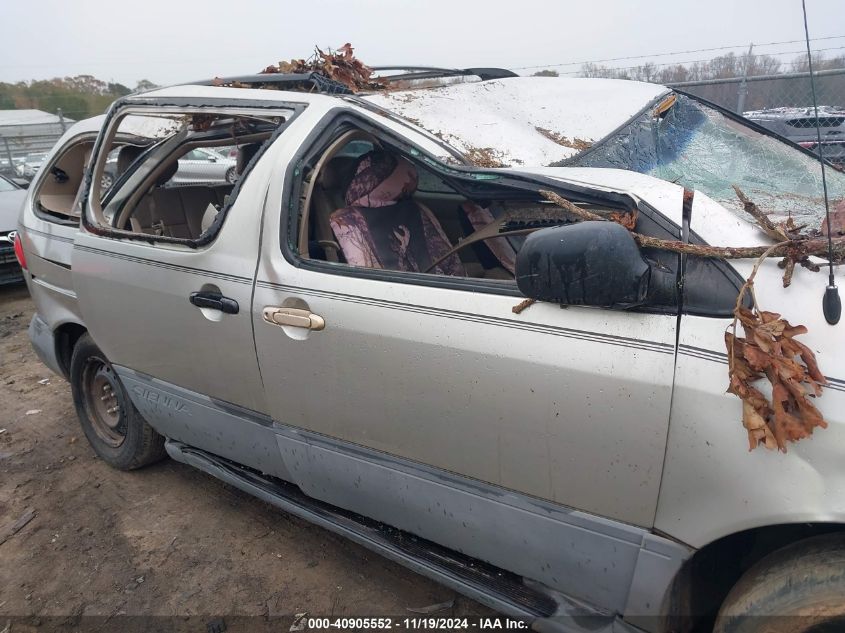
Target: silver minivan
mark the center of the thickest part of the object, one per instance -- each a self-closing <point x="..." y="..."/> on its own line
<point x="336" y="331"/>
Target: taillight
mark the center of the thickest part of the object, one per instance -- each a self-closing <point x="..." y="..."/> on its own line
<point x="807" y="144"/>
<point x="19" y="251"/>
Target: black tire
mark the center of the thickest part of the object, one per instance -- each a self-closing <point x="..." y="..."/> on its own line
<point x="796" y="589"/>
<point x="112" y="424"/>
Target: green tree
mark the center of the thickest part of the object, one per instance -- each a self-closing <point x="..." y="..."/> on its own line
<point x="118" y="89"/>
<point x="144" y="85"/>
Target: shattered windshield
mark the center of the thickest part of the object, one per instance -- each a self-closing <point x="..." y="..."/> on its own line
<point x="701" y="148"/>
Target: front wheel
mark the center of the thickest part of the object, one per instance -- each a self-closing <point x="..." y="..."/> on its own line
<point x="231" y="176"/>
<point x="796" y="589"/>
<point x="112" y="424"/>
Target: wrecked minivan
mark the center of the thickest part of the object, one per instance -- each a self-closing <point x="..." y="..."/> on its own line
<point x="334" y="331"/>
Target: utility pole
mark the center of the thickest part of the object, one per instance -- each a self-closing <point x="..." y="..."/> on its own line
<point x="743" y="87"/>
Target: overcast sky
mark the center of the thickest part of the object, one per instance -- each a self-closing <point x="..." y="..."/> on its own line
<point x="171" y="41"/>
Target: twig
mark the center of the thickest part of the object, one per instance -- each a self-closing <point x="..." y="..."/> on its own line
<point x="575" y="210"/>
<point x="817" y="247"/>
<point x="763" y="220"/>
<point x="748" y="286"/>
<point x="522" y="305"/>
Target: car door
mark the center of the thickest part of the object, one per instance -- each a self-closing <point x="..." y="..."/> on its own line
<point x="436" y="409"/>
<point x="173" y="317"/>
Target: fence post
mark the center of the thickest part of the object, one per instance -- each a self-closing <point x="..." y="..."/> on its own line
<point x="742" y="92"/>
<point x="9" y="155"/>
<point x="61" y="119"/>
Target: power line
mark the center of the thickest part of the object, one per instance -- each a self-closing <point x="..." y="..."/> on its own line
<point x="698" y="50"/>
<point x="698" y="61"/>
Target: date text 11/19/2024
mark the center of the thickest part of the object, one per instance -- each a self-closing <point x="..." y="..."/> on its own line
<point x="419" y="624"/>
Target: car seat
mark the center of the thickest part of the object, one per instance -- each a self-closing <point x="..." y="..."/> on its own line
<point x="382" y="227"/>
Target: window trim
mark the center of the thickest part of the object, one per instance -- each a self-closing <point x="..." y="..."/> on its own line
<point x="331" y="125"/>
<point x="130" y="105"/>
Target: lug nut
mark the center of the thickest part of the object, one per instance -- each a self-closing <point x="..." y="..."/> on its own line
<point x="112" y="409"/>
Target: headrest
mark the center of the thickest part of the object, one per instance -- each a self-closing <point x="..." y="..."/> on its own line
<point x="167" y="174"/>
<point x="337" y="173"/>
<point x="245" y="154"/>
<point x="126" y="156"/>
<point x="381" y="179"/>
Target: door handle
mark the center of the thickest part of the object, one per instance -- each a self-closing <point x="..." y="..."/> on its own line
<point x="214" y="301"/>
<point x="294" y="317"/>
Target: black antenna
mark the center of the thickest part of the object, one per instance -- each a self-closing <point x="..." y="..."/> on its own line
<point x="831" y="304"/>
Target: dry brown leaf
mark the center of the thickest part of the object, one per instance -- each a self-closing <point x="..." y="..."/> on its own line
<point x="341" y="66"/>
<point x="795" y="330"/>
<point x="769" y="349"/>
<point x="810" y="361"/>
<point x="758" y="430"/>
<point x="757" y="358"/>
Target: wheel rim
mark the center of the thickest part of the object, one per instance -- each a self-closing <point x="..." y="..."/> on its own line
<point x="231" y="177"/>
<point x="104" y="402"/>
<point x="106" y="182"/>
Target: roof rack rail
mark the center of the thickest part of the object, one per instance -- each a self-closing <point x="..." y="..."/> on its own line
<point x="431" y="72"/>
<point x="313" y="81"/>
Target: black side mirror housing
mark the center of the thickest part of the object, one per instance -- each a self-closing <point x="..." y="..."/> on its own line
<point x="587" y="263"/>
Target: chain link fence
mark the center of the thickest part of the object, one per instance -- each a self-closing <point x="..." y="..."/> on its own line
<point x="783" y="103"/>
<point x="25" y="138"/>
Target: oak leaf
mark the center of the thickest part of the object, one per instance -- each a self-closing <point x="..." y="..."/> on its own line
<point x="770" y="350"/>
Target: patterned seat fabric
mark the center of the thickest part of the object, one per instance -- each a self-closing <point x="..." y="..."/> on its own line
<point x="382" y="227"/>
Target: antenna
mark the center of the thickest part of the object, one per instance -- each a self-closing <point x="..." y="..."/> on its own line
<point x="831" y="304"/>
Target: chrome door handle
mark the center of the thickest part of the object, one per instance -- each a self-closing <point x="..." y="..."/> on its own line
<point x="294" y="317"/>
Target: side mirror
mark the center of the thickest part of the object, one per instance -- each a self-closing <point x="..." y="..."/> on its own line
<point x="23" y="183"/>
<point x="588" y="263"/>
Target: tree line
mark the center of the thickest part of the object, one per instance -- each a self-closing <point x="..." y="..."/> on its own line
<point x="770" y="93"/>
<point x="77" y="97"/>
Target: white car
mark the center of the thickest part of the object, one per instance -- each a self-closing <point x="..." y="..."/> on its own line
<point x="200" y="165"/>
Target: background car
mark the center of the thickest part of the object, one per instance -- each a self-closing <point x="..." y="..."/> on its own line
<point x="200" y="165"/>
<point x="799" y="125"/>
<point x="11" y="199"/>
<point x="30" y="165"/>
<point x="205" y="165"/>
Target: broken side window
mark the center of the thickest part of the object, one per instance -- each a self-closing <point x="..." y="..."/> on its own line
<point x="179" y="172"/>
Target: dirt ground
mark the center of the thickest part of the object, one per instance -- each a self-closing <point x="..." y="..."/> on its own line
<point x="106" y="546"/>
